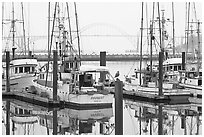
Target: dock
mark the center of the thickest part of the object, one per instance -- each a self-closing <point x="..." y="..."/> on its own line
<point x="172" y="98"/>
<point x="31" y="98"/>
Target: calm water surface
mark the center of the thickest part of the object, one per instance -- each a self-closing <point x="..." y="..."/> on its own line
<point x="139" y="118"/>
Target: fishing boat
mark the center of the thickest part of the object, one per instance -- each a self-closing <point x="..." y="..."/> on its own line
<point x="22" y="73"/>
<point x="192" y="80"/>
<point x="22" y="68"/>
<point x="78" y="85"/>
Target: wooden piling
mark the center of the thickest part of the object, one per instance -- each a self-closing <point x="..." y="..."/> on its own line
<point x="30" y="54"/>
<point x="13" y="52"/>
<point x="102" y="63"/>
<point x="183" y="60"/>
<point x="7" y="71"/>
<point x="55" y="67"/>
<point x="118" y="107"/>
<point x="55" y="122"/>
<point x="160" y="121"/>
<point x="7" y="117"/>
<point x="161" y="56"/>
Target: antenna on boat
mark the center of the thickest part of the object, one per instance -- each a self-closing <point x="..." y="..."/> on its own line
<point x="77" y="27"/>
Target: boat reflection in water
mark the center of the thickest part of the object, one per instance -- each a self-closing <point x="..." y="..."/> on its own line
<point x="27" y="119"/>
<point x="154" y="119"/>
<point x="139" y="118"/>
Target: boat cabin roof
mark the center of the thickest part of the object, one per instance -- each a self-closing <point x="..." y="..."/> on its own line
<point x="90" y="68"/>
<point x="22" y="62"/>
<point x="173" y="61"/>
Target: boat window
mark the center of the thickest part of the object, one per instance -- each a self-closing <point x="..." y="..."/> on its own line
<point x="16" y="69"/>
<point x="42" y="121"/>
<point x="20" y="111"/>
<point x="27" y="69"/>
<point x="171" y="67"/>
<point x="67" y="65"/>
<point x="71" y="65"/>
<point x="179" y="67"/>
<point x="33" y="69"/>
<point x="41" y="76"/>
<point x="175" y="68"/>
<point x="200" y="73"/>
<point x="26" y="111"/>
<point x="16" y="110"/>
<point x="20" y="69"/>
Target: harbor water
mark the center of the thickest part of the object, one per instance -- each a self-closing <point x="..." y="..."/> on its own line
<point x="139" y="118"/>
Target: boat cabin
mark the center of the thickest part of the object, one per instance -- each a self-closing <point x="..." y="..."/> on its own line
<point x="21" y="67"/>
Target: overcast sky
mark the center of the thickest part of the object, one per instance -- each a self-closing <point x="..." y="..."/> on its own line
<point x="100" y="18"/>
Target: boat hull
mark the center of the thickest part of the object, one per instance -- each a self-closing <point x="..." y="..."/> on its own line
<point x="80" y="101"/>
<point x="19" y="83"/>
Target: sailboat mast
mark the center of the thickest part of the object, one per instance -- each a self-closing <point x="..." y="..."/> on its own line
<point x="141" y="44"/>
<point x="77" y="27"/>
<point x="24" y="38"/>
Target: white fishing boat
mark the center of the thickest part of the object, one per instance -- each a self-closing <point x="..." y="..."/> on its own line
<point x="81" y="87"/>
<point x="192" y="80"/>
<point x="22" y="73"/>
<point x="22" y="66"/>
<point x="77" y="84"/>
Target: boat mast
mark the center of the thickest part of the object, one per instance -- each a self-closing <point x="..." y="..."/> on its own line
<point x="49" y="48"/>
<point x="160" y="34"/>
<point x="29" y="27"/>
<point x="13" y="31"/>
<point x="24" y="38"/>
<point x="2" y="20"/>
<point x="163" y="22"/>
<point x="77" y="27"/>
<point x="141" y="44"/>
<point x="70" y="31"/>
<point x="173" y="30"/>
<point x="151" y="38"/>
<point x="188" y="16"/>
<point x="198" y="53"/>
<point x="48" y="36"/>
